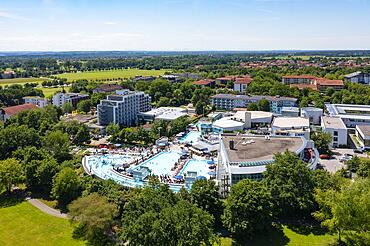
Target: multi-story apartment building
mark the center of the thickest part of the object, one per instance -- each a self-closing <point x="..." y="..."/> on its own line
<point x="358" y="77"/>
<point x="312" y="82"/>
<point x="123" y="107"/>
<point x="59" y="99"/>
<point x="230" y="101"/>
<point x="38" y="101"/>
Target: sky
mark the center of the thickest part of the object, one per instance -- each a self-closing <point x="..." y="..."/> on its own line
<point x="183" y="25"/>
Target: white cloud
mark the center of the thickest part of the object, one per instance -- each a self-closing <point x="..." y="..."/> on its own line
<point x="7" y="15"/>
<point x="110" y="23"/>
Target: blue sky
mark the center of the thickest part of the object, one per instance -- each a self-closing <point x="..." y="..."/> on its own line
<point x="60" y="25"/>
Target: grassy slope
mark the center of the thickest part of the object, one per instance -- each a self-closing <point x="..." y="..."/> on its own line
<point x="50" y="91"/>
<point x="111" y="74"/>
<point x="23" y="224"/>
<point x="287" y="237"/>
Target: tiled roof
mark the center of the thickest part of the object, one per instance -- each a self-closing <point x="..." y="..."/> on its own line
<point x="16" y="109"/>
<point x="243" y="80"/>
<point x="329" y="82"/>
<point x="299" y="77"/>
<point x="203" y="82"/>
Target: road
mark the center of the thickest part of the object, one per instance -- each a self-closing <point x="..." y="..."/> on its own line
<point x="333" y="165"/>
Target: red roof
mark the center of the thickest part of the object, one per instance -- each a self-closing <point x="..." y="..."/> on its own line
<point x="243" y="80"/>
<point x="302" y="86"/>
<point x="229" y="78"/>
<point x="203" y="82"/>
<point x="329" y="82"/>
<point x="299" y="77"/>
<point x="19" y="108"/>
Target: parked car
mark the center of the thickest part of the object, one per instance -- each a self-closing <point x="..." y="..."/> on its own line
<point x="358" y="151"/>
<point x="345" y="158"/>
<point x="324" y="156"/>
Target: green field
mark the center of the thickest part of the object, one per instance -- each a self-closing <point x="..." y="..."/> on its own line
<point x="23" y="224"/>
<point x="287" y="237"/>
<point x="50" y="90"/>
<point x="4" y="82"/>
<point x="111" y="74"/>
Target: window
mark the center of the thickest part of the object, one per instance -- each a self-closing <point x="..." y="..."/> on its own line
<point x="335" y="133"/>
<point x="335" y="139"/>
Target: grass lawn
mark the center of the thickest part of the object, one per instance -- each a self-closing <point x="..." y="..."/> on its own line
<point x="4" y="82"/>
<point x="288" y="237"/>
<point x="23" y="224"/>
<point x="111" y="74"/>
<point x="50" y="90"/>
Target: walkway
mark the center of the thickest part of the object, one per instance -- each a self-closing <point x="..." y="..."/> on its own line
<point x="46" y="209"/>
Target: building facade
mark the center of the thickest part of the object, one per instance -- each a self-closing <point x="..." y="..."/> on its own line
<point x="8" y="112"/>
<point x="59" y="99"/>
<point x="313" y="114"/>
<point x="363" y="135"/>
<point x="123" y="108"/>
<point x="337" y="129"/>
<point x="358" y="77"/>
<point x="291" y="126"/>
<point x="230" y="101"/>
<point x="351" y="114"/>
<point x="38" y="101"/>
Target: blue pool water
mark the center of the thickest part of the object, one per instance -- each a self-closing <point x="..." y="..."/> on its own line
<point x="162" y="163"/>
<point x="191" y="137"/>
<point x="199" y="166"/>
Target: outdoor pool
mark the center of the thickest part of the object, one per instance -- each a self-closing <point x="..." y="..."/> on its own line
<point x="191" y="137"/>
<point x="199" y="166"/>
<point x="162" y="163"/>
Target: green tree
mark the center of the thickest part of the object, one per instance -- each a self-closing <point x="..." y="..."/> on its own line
<point x="248" y="209"/>
<point x="264" y="105"/>
<point x="322" y="141"/>
<point x="204" y="194"/>
<point x="67" y="108"/>
<point x="155" y="216"/>
<point x="179" y="125"/>
<point x="11" y="173"/>
<point x="57" y="143"/>
<point x="66" y="186"/>
<point x="200" y="108"/>
<point x="94" y="215"/>
<point x="291" y="184"/>
<point x="364" y="168"/>
<point x="252" y="107"/>
<point x="347" y="211"/>
<point x="84" y="106"/>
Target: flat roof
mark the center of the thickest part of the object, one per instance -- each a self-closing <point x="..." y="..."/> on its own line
<point x="333" y="122"/>
<point x="291" y="122"/>
<point x="261" y="149"/>
<point x="365" y="130"/>
<point x="253" y="97"/>
<point x="290" y="109"/>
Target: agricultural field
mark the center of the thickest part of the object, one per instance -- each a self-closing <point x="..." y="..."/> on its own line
<point x="110" y="74"/>
<point x="23" y="224"/>
<point x="22" y="81"/>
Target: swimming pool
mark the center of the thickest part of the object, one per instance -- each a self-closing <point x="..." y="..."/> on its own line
<point x="162" y="163"/>
<point x="199" y="166"/>
<point x="191" y="137"/>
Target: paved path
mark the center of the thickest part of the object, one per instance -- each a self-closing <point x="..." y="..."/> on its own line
<point x="45" y="208"/>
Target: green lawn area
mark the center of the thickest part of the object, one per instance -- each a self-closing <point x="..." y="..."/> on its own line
<point x="110" y="74"/>
<point x="4" y="82"/>
<point x="288" y="237"/>
<point x="50" y="90"/>
<point x="23" y="224"/>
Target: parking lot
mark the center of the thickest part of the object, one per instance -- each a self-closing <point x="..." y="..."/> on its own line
<point x="332" y="165"/>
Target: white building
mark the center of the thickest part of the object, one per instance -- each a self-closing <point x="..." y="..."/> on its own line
<point x="246" y="156"/>
<point x="313" y="114"/>
<point x="358" y="77"/>
<point x="123" y="108"/>
<point x="163" y="113"/>
<point x="243" y="120"/>
<point x="38" y="101"/>
<point x="351" y="114"/>
<point x="337" y="129"/>
<point x="291" y="126"/>
<point x="363" y="135"/>
<point x="290" y="111"/>
<point x="59" y="99"/>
